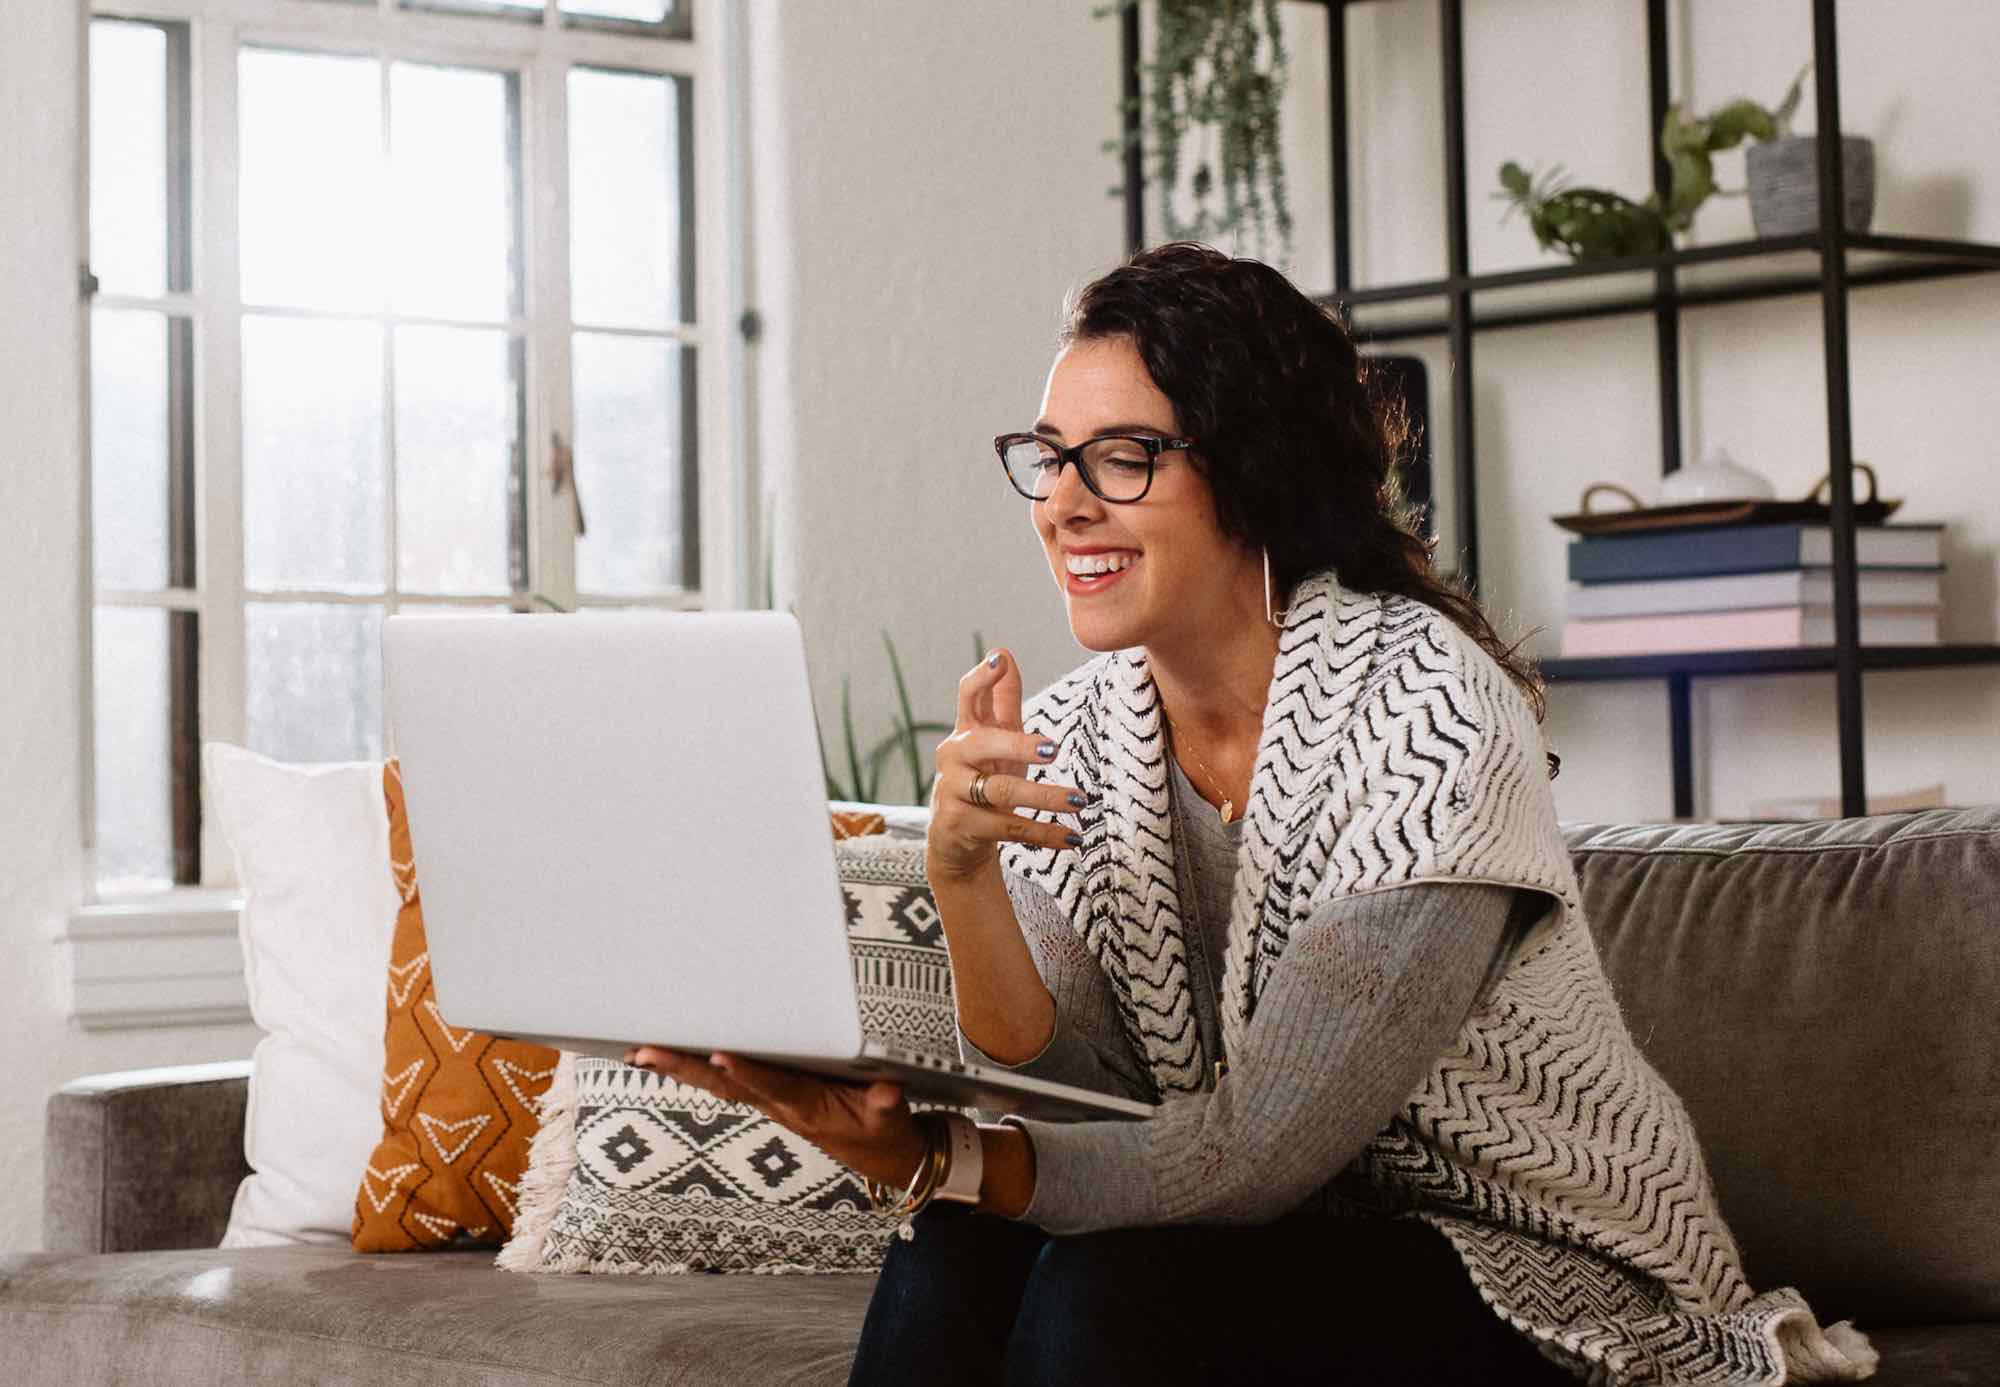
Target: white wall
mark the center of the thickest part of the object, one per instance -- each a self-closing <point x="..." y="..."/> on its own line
<point x="41" y="707"/>
<point x="927" y="208"/>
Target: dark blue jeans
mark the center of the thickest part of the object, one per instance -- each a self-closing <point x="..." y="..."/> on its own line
<point x="1307" y="1299"/>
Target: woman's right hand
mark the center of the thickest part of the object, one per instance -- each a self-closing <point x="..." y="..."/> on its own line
<point x="965" y="838"/>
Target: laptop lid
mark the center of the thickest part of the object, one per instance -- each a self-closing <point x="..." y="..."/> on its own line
<point x="620" y="828"/>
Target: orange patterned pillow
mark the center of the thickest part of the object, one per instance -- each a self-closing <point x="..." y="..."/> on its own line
<point x="856" y="823"/>
<point x="457" y="1106"/>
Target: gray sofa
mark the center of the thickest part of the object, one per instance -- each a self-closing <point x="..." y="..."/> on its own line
<point x="1825" y="996"/>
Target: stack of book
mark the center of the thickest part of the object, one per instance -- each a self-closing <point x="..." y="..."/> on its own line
<point x="1747" y="587"/>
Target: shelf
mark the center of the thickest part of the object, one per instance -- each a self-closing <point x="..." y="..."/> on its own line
<point x="1790" y="661"/>
<point x="1732" y="272"/>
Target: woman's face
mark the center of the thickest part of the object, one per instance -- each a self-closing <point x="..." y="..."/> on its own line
<point x="1173" y="572"/>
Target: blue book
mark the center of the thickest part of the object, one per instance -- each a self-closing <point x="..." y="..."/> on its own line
<point x="1700" y="552"/>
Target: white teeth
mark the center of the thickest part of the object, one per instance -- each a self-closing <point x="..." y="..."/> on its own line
<point x="1083" y="565"/>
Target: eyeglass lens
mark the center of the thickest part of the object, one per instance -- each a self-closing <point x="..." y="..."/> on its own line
<point x="1117" y="469"/>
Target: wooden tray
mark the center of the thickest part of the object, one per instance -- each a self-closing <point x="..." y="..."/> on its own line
<point x="1809" y="511"/>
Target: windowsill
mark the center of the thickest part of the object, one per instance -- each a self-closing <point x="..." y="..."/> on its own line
<point x="170" y="959"/>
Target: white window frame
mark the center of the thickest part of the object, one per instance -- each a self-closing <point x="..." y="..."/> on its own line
<point x="541" y="54"/>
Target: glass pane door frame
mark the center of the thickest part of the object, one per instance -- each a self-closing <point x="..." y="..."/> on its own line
<point x="542" y="56"/>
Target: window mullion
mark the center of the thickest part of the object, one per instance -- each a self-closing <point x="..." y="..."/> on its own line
<point x="86" y="551"/>
<point x="552" y="565"/>
<point x="219" y="408"/>
<point x="725" y="470"/>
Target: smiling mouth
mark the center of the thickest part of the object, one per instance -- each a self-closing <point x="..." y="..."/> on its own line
<point x="1091" y="573"/>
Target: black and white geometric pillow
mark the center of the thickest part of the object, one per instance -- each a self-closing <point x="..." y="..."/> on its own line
<point x="901" y="971"/>
<point x="670" y="1179"/>
<point x="633" y="1172"/>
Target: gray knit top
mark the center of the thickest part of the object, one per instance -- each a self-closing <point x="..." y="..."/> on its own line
<point x="1368" y="995"/>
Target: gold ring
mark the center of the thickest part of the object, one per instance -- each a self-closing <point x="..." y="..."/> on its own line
<point x="977" y="794"/>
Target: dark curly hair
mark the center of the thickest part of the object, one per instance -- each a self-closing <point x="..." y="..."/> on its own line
<point x="1298" y="436"/>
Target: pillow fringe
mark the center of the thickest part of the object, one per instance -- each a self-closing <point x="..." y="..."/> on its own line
<point x="551" y="1159"/>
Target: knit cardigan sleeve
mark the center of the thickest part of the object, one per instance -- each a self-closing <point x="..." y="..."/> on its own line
<point x="1368" y="995"/>
<point x="1088" y="1047"/>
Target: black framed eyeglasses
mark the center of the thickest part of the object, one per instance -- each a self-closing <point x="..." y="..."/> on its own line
<point x="1117" y="467"/>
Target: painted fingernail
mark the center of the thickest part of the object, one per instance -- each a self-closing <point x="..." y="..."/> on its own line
<point x="1047" y="751"/>
<point x="993" y="660"/>
<point x="1078" y="800"/>
<point x="1075" y="840"/>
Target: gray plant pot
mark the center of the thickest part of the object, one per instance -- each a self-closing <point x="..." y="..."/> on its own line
<point x="1784" y="184"/>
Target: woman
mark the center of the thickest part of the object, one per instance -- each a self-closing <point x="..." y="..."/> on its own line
<point x="1284" y="858"/>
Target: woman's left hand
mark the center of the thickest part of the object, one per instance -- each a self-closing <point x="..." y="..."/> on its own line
<point x="867" y="1127"/>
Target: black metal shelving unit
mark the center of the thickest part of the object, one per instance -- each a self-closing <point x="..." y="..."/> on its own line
<point x="1828" y="262"/>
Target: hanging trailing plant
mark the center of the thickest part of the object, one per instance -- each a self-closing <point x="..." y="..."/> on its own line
<point x="1211" y="116"/>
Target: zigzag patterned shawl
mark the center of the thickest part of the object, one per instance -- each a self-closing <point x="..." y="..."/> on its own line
<point x="1560" y="1166"/>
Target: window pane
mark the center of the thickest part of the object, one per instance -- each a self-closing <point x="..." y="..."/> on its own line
<point x="311" y="191"/>
<point x="451" y="131"/>
<point x="314" y="681"/>
<point x="634" y="401"/>
<point x="135" y="847"/>
<point x="129" y="454"/>
<point x="627" y="153"/>
<point x="314" y="492"/>
<point x="459" y="523"/>
<point x="645" y="11"/>
<point x="128" y="156"/>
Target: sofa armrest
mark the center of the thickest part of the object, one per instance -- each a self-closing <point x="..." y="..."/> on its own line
<point x="144" y="1159"/>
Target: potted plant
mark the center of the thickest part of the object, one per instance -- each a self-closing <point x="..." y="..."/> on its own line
<point x="1591" y="223"/>
<point x="1783" y="173"/>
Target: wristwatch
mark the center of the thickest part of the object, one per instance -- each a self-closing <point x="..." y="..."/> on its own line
<point x="966" y="1164"/>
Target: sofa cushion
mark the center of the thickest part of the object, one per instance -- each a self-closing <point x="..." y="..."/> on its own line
<point x="1822" y="996"/>
<point x="306" y="1316"/>
<point x="318" y="1315"/>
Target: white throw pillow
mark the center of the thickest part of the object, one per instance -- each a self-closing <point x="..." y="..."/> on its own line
<point x="312" y="853"/>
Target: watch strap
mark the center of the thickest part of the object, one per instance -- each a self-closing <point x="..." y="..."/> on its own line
<point x="966" y="1166"/>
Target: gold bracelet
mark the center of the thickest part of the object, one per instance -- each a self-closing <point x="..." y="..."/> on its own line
<point x="940" y="1163"/>
<point x="878" y="1193"/>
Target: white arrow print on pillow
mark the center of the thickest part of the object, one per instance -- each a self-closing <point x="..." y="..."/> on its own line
<point x="396" y="1087"/>
<point x="433" y="1125"/>
<point x="440" y="1228"/>
<point x="509" y="1192"/>
<point x="509" y="1072"/>
<point x="456" y="1039"/>
<point x="389" y="1179"/>
<point x="406" y="878"/>
<point x="403" y="979"/>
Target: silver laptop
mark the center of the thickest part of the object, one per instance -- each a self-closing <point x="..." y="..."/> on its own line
<point x="621" y="825"/>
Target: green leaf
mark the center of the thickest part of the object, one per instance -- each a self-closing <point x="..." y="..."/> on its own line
<point x="1782" y="117"/>
<point x="1514" y="179"/>
<point x="908" y="725"/>
<point x="978" y="647"/>
<point x="861" y="788"/>
<point x="1731" y="125"/>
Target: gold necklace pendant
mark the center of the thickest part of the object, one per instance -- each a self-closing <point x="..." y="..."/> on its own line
<point x="1228" y="810"/>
